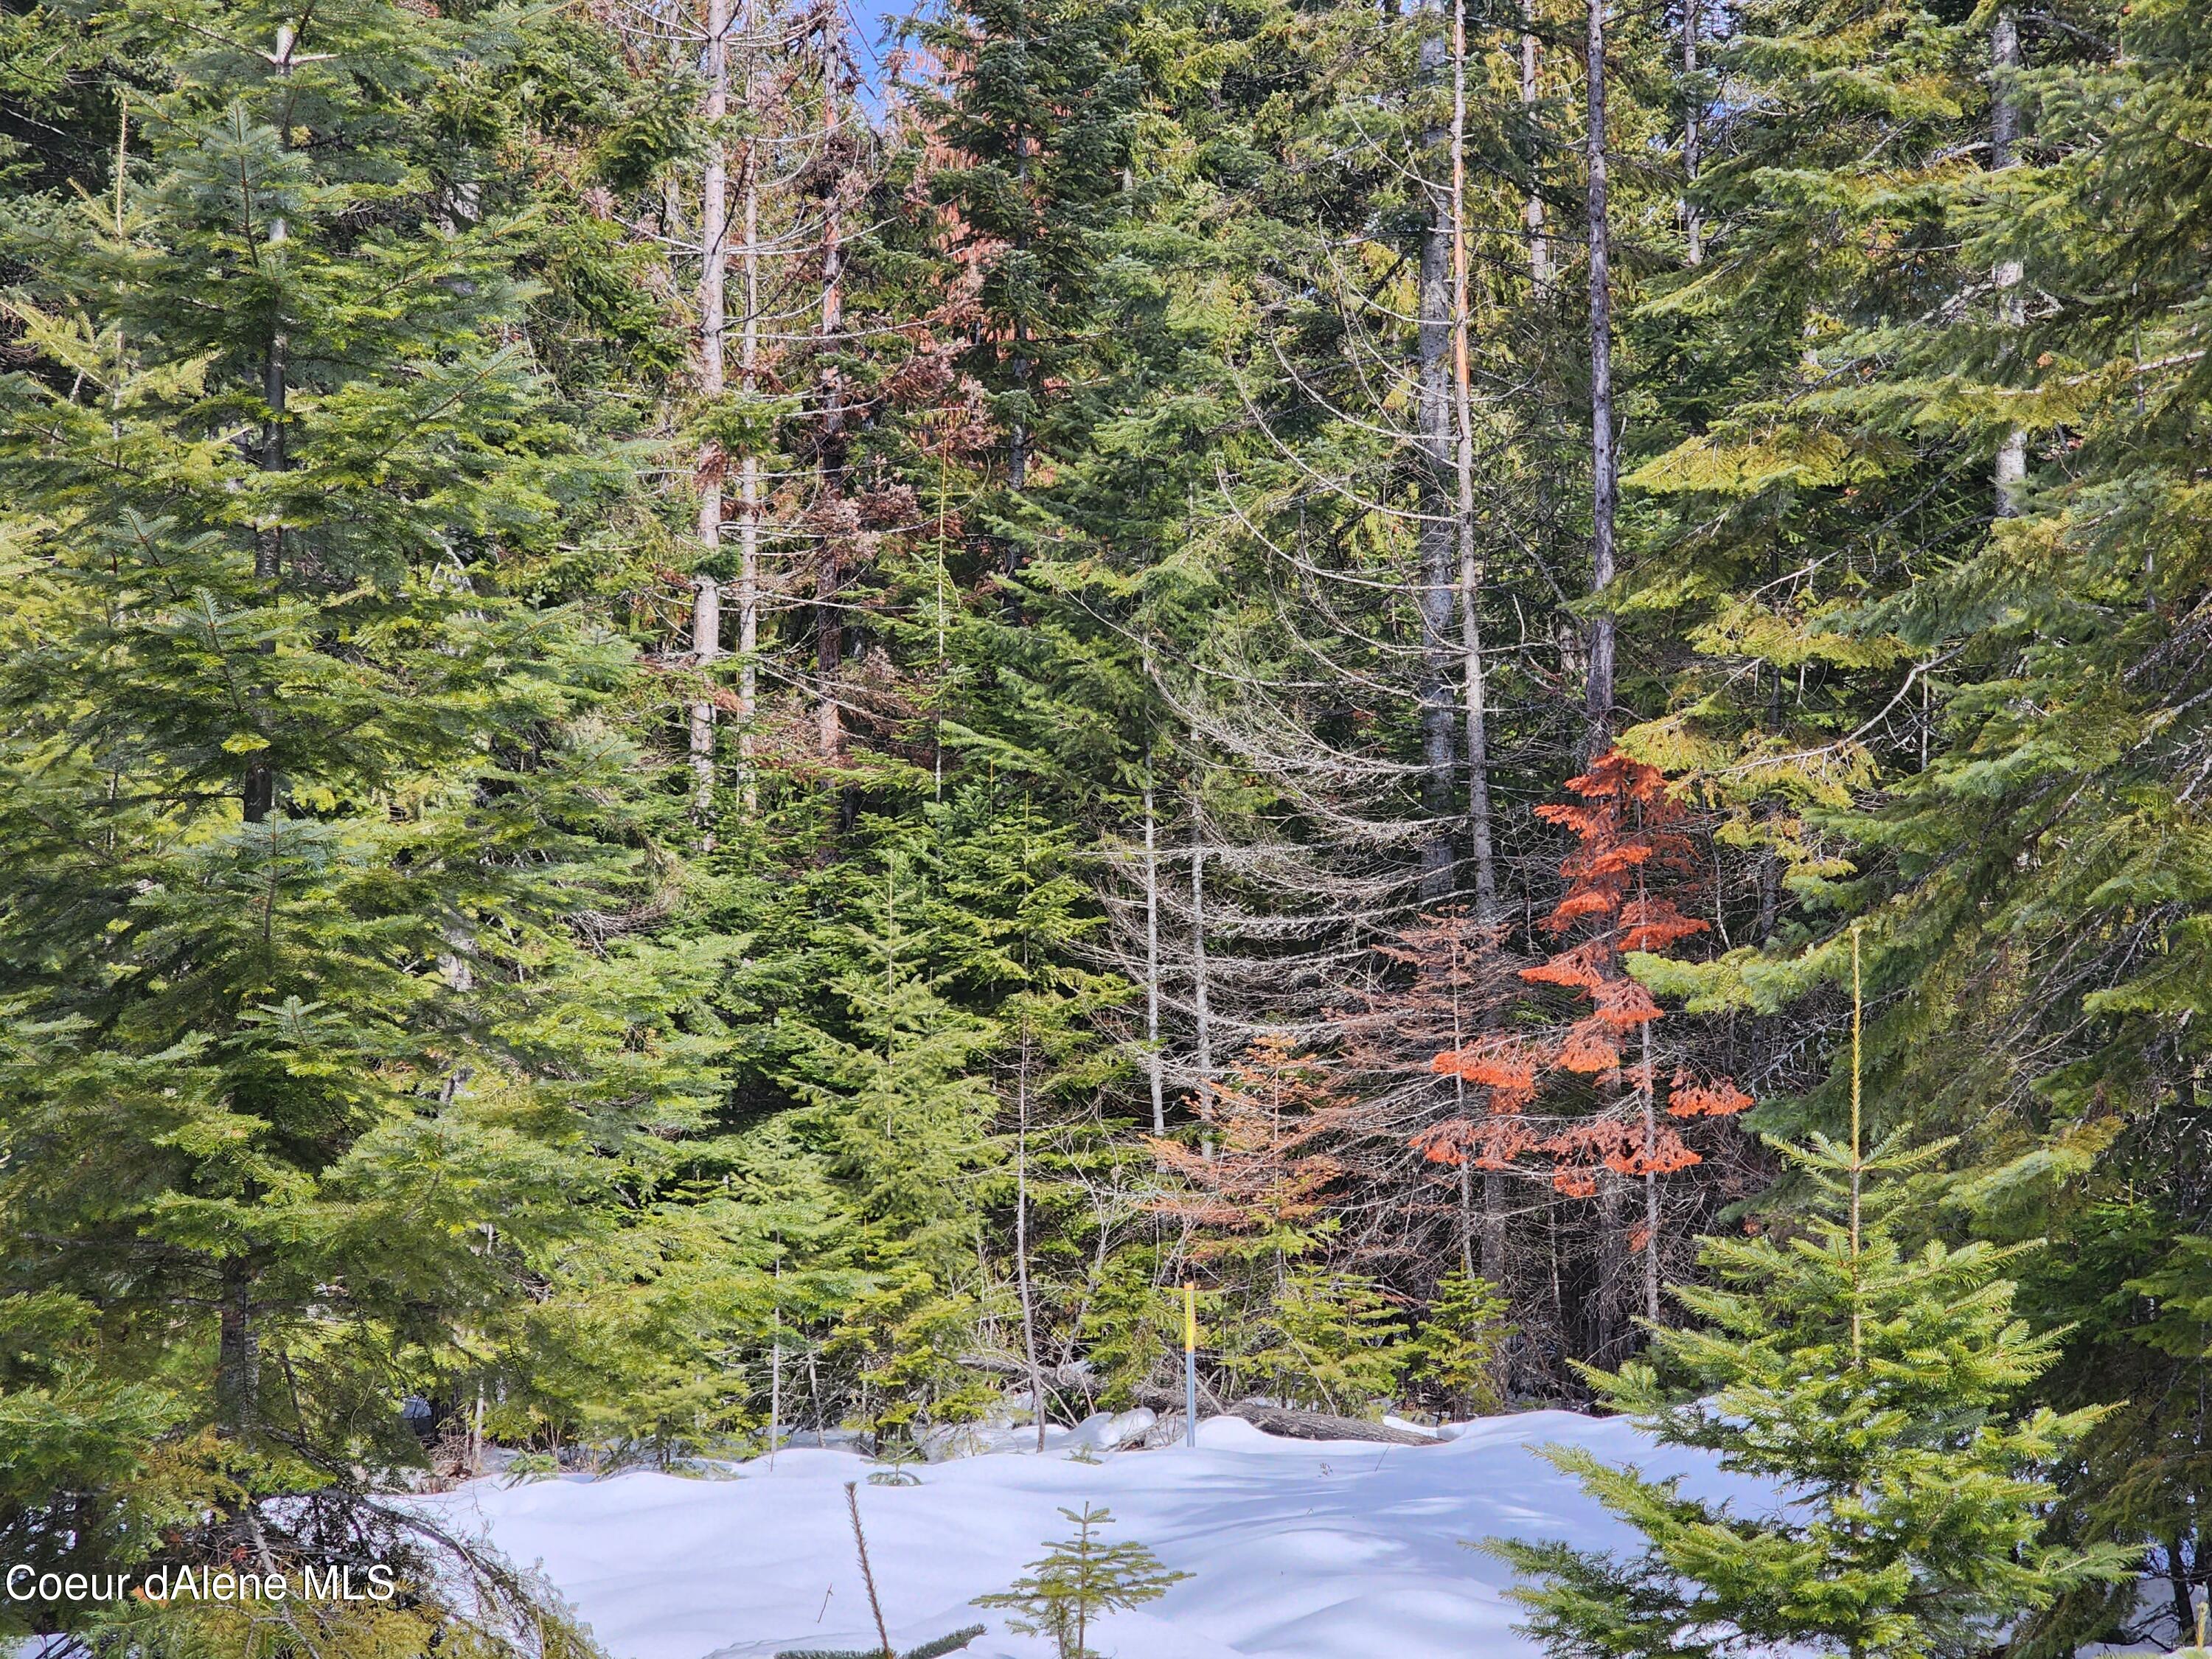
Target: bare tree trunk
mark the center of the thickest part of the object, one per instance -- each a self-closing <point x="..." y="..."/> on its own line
<point x="476" y="1414"/>
<point x="238" y="1351"/>
<point x="1770" y="864"/>
<point x="269" y="551"/>
<point x="1467" y="1228"/>
<point x="258" y="789"/>
<point x="1532" y="209"/>
<point x="1494" y="1226"/>
<point x="1197" y="958"/>
<point x="1558" y="1292"/>
<point x="775" y="1362"/>
<point x="829" y="576"/>
<point x="1438" y="544"/>
<point x="1022" y="1234"/>
<point x="1465" y="1161"/>
<point x="1017" y="433"/>
<point x="1152" y="1055"/>
<point x="1478" y="710"/>
<point x="1693" y="229"/>
<point x="749" y="464"/>
<point x="713" y="245"/>
<point x="1650" y="1187"/>
<point x="2184" y="1601"/>
<point x="1605" y="1260"/>
<point x="937" y="696"/>
<point x="1605" y="483"/>
<point x="2011" y="471"/>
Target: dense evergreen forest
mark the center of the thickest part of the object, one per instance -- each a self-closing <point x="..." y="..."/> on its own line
<point x="713" y="729"/>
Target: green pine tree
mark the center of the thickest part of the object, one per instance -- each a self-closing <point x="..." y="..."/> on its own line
<point x="1459" y="1349"/>
<point x="1873" y="1388"/>
<point x="1041" y="104"/>
<point x="305" y="806"/>
<point x="1082" y="1578"/>
<point x="893" y="1072"/>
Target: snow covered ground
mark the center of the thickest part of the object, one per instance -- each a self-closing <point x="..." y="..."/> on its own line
<point x="1298" y="1550"/>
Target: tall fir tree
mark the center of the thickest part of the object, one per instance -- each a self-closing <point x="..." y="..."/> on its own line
<point x="1874" y="1389"/>
<point x="309" y="807"/>
<point x="1872" y="1386"/>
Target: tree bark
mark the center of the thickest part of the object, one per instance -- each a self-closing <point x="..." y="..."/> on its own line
<point x="2184" y="1601"/>
<point x="1204" y="1032"/>
<point x="1467" y="1224"/>
<point x="238" y="1351"/>
<point x="1532" y="208"/>
<point x="1477" y="708"/>
<point x="1438" y="536"/>
<point x="1606" y="1323"/>
<point x="1022" y="1234"/>
<point x="828" y="574"/>
<point x="1292" y="1423"/>
<point x="1152" y="1055"/>
<point x="1693" y="229"/>
<point x="775" y="1361"/>
<point x="2011" y="468"/>
<point x="1018" y="433"/>
<point x="1650" y="1187"/>
<point x="258" y="788"/>
<point x="713" y="245"/>
<point x="1604" y="464"/>
<point x="269" y="551"/>
<point x="1494" y="1227"/>
<point x="749" y="465"/>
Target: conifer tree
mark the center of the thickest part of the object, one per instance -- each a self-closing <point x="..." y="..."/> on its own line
<point x="1082" y="1578"/>
<point x="1631" y="855"/>
<point x="305" y="801"/>
<point x="2020" y="864"/>
<point x="1038" y="113"/>
<point x="1454" y="984"/>
<point x="899" y="1103"/>
<point x="1255" y="1195"/>
<point x="1459" y="1348"/>
<point x="1874" y="1388"/>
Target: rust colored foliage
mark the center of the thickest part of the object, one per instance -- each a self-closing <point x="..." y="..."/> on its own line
<point x="1720" y="1098"/>
<point x="1630" y="837"/>
<point x="1461" y="984"/>
<point x="1274" y="1124"/>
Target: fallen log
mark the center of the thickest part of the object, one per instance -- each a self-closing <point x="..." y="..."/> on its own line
<point x="1295" y="1424"/>
<point x="1291" y="1422"/>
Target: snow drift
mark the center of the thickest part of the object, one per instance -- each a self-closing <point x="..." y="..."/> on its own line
<point x="1299" y="1549"/>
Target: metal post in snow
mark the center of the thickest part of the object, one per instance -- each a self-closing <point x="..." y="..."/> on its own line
<point x="1190" y="1362"/>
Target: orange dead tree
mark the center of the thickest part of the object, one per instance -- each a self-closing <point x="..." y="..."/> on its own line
<point x="1630" y="851"/>
<point x="1273" y="1129"/>
<point x="1449" y="980"/>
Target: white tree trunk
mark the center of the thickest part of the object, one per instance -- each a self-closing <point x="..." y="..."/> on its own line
<point x="1153" y="1058"/>
<point x="749" y="465"/>
<point x="1022" y="1235"/>
<point x="1532" y="209"/>
<point x="1480" y="852"/>
<point x="1693" y="229"/>
<point x="828" y="616"/>
<point x="1197" y="958"/>
<point x="1604" y="464"/>
<point x="1437" y="527"/>
<point x="714" y="245"/>
<point x="2011" y="470"/>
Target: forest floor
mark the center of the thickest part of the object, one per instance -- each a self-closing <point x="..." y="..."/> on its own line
<point x="1296" y="1549"/>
